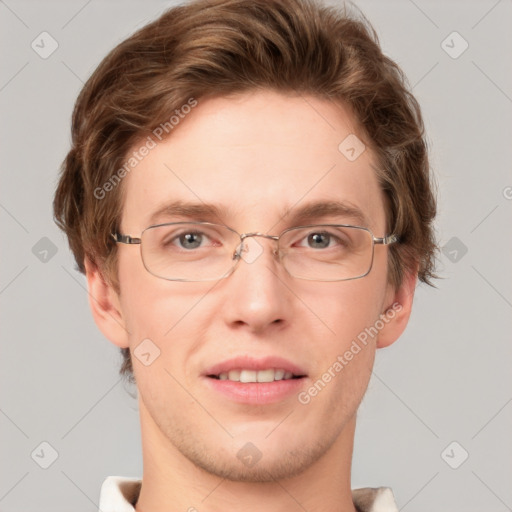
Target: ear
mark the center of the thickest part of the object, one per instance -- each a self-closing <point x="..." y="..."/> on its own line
<point x="397" y="309"/>
<point x="105" y="306"/>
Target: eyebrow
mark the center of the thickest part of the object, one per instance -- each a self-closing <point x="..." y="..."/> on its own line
<point x="309" y="212"/>
<point x="321" y="209"/>
<point x="197" y="211"/>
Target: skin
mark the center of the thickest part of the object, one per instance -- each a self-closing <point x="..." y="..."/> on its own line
<point x="257" y="155"/>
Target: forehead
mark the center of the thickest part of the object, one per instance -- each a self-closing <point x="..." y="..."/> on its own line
<point x="257" y="158"/>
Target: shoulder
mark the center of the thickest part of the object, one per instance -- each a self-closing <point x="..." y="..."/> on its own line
<point x="119" y="493"/>
<point x="378" y="499"/>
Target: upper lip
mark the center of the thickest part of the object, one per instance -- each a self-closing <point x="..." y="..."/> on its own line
<point x="253" y="363"/>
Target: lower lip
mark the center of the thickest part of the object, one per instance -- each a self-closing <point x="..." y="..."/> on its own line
<point x="257" y="393"/>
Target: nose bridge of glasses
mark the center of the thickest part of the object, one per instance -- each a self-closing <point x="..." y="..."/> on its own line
<point x="243" y="251"/>
<point x="243" y="236"/>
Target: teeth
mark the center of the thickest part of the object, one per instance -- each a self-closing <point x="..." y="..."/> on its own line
<point x="266" y="375"/>
<point x="278" y="374"/>
<point x="248" y="376"/>
<point x="234" y="375"/>
<point x="269" y="375"/>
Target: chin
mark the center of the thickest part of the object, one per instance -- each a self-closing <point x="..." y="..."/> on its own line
<point x="269" y="468"/>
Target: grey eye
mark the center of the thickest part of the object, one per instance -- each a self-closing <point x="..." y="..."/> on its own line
<point x="319" y="240"/>
<point x="190" y="240"/>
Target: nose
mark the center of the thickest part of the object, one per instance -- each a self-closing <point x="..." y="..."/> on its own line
<point x="258" y="298"/>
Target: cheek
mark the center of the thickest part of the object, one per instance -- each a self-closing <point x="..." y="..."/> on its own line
<point x="344" y="309"/>
<point x="166" y="319"/>
<point x="151" y="306"/>
<point x="345" y="351"/>
<point x="344" y="359"/>
<point x="138" y="303"/>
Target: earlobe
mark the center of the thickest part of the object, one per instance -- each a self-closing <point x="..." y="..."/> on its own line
<point x="105" y="306"/>
<point x="397" y="311"/>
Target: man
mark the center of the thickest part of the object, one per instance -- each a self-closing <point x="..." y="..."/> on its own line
<point x="248" y="194"/>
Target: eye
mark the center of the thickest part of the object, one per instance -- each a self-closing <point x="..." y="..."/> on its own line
<point x="333" y="239"/>
<point x="186" y="240"/>
<point x="319" y="240"/>
<point x="190" y="240"/>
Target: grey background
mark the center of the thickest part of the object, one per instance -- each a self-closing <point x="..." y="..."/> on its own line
<point x="448" y="379"/>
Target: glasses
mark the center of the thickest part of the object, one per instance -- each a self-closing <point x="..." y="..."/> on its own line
<point x="203" y="251"/>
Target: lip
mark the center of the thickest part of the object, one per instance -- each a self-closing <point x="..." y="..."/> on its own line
<point x="256" y="393"/>
<point x="252" y="363"/>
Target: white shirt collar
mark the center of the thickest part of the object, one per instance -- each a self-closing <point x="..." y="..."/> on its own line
<point x="118" y="494"/>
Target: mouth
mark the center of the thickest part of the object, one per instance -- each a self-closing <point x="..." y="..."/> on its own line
<point x="247" y="376"/>
<point x="246" y="380"/>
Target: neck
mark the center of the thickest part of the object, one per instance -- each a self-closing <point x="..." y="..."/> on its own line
<point x="171" y="482"/>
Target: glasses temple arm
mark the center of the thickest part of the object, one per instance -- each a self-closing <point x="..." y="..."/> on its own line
<point x="125" y="239"/>
<point x="386" y="240"/>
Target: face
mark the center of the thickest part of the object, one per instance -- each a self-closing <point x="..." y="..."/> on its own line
<point x="260" y="159"/>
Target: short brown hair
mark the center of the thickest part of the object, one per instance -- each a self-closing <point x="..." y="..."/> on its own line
<point x="209" y="48"/>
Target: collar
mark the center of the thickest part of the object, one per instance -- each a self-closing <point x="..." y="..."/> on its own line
<point x="119" y="494"/>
